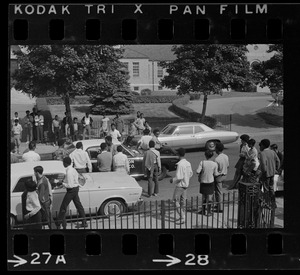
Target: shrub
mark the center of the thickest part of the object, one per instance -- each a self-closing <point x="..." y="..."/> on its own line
<point x="154" y="99"/>
<point x="134" y="93"/>
<point x="146" y="92"/>
<point x="195" y="96"/>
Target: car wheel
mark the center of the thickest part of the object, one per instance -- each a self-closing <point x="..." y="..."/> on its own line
<point x="112" y="207"/>
<point x="211" y="145"/>
<point x="162" y="173"/>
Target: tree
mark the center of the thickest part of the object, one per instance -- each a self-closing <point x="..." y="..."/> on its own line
<point x="70" y="70"/>
<point x="207" y="69"/>
<point x="271" y="71"/>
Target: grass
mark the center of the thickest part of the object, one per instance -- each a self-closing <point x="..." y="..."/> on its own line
<point x="272" y="115"/>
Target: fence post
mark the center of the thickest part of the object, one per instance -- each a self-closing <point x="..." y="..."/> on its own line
<point x="163" y="214"/>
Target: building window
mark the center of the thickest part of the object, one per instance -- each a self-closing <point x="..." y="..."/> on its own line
<point x="135" y="69"/>
<point x="136" y="88"/>
<point x="159" y="71"/>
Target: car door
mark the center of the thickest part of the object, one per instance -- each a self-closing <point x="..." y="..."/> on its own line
<point x="184" y="137"/>
<point x="200" y="137"/>
<point x="135" y="162"/>
<point x="93" y="152"/>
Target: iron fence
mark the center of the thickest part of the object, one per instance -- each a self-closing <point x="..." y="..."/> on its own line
<point x="223" y="121"/>
<point x="159" y="214"/>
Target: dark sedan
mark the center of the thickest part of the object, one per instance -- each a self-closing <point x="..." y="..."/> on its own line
<point x="168" y="158"/>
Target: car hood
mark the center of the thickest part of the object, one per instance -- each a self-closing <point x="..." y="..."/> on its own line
<point x="110" y="180"/>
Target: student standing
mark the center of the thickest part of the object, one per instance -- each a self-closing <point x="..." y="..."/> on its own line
<point x="104" y="159"/>
<point x="31" y="206"/>
<point x="45" y="195"/>
<point x="120" y="161"/>
<point x="207" y="170"/>
<point x="152" y="166"/>
<point x="87" y="122"/>
<point x="222" y="161"/>
<point x="105" y="125"/>
<point x="17" y="133"/>
<point x="181" y="180"/>
<point x="155" y="136"/>
<point x="119" y="122"/>
<point x="80" y="159"/>
<point x="31" y="155"/>
<point x="28" y="124"/>
<point x="71" y="183"/>
<point x="39" y="123"/>
<point x="143" y="143"/>
<point x="115" y="134"/>
<point x="56" y="129"/>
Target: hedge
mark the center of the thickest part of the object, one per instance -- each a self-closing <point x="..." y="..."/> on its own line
<point x="135" y="99"/>
<point x="179" y="108"/>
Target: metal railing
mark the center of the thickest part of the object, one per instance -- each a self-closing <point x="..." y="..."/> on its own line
<point x="159" y="214"/>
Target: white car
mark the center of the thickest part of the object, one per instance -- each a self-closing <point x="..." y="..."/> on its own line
<point x="194" y="135"/>
<point x="102" y="193"/>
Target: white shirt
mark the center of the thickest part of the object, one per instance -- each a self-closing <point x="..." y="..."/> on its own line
<point x="17" y="129"/>
<point x="144" y="142"/>
<point x="209" y="169"/>
<point x="81" y="159"/>
<point x="105" y="123"/>
<point x="32" y="203"/>
<point x="121" y="163"/>
<point x="183" y="173"/>
<point x="223" y="163"/>
<point x="31" y="156"/>
<point x="86" y="120"/>
<point x="114" y="135"/>
<point x="71" y="179"/>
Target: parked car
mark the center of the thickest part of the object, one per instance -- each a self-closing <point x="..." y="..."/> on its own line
<point x="103" y="193"/>
<point x="191" y="135"/>
<point x="168" y="157"/>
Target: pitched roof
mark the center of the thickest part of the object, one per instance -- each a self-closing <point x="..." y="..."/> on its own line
<point x="151" y="52"/>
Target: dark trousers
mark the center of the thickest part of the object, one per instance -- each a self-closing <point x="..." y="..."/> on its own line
<point x="46" y="213"/>
<point x="152" y="176"/>
<point x="56" y="134"/>
<point x="34" y="222"/>
<point x="40" y="133"/>
<point x="71" y="195"/>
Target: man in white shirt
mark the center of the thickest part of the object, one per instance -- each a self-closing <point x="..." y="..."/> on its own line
<point x="115" y="134"/>
<point x="81" y="159"/>
<point x="223" y="165"/>
<point x="31" y="155"/>
<point x="71" y="183"/>
<point x="17" y="133"/>
<point x="87" y="124"/>
<point x="39" y="123"/>
<point x="104" y="125"/>
<point x="143" y="143"/>
<point x="182" y="180"/>
<point x="120" y="161"/>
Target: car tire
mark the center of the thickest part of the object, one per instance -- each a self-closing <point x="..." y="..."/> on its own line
<point x="211" y="145"/>
<point x="162" y="173"/>
<point x="109" y="206"/>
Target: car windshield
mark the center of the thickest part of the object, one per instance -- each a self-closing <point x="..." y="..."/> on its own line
<point x="128" y="151"/>
<point x="168" y="130"/>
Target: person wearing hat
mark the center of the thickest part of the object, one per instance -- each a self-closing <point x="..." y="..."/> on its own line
<point x="182" y="180"/>
<point x="31" y="206"/>
<point x="244" y="148"/>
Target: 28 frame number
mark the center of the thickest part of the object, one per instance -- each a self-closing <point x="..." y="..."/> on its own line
<point x="201" y="259"/>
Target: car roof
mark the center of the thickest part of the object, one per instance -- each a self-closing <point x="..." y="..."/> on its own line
<point x="207" y="128"/>
<point x="90" y="142"/>
<point x="26" y="168"/>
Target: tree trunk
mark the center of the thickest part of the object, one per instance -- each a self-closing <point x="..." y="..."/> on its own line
<point x="67" y="103"/>
<point x="203" y="107"/>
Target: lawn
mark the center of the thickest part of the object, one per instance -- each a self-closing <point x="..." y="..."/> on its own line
<point x="272" y="115"/>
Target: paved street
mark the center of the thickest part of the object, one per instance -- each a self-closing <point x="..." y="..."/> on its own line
<point x="237" y="105"/>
